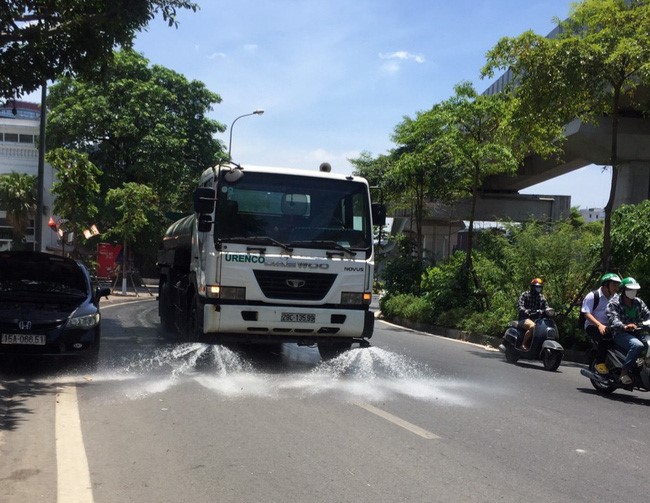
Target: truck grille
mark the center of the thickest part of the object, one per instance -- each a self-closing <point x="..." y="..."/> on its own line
<point x="294" y="285"/>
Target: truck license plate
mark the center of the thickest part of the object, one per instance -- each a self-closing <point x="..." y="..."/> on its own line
<point x="30" y="339"/>
<point x="298" y="317"/>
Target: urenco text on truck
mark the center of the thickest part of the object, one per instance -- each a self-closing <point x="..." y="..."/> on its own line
<point x="272" y="255"/>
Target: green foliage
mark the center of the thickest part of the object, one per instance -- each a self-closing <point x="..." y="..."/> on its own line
<point x="76" y="188"/>
<point x="18" y="199"/>
<point x="143" y="125"/>
<point x="562" y="253"/>
<point x="631" y="241"/>
<point x="135" y="204"/>
<point x="408" y="306"/>
<point x="402" y="274"/>
<point x="44" y="40"/>
<point x="589" y="71"/>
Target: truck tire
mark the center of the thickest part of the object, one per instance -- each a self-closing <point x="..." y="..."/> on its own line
<point x="165" y="308"/>
<point x="194" y="327"/>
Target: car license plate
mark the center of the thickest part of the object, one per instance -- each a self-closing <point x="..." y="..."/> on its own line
<point x="298" y="317"/>
<point x="29" y="339"/>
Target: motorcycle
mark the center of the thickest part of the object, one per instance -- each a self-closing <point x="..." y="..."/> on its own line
<point x="610" y="382"/>
<point x="543" y="345"/>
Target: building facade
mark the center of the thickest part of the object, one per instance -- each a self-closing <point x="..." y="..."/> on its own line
<point x="19" y="136"/>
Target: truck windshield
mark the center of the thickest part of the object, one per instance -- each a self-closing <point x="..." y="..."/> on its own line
<point x="293" y="209"/>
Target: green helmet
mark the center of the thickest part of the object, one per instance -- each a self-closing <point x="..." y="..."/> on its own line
<point x="630" y="283"/>
<point x="610" y="276"/>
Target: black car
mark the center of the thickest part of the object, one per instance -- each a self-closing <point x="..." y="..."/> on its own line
<point x="48" y="306"/>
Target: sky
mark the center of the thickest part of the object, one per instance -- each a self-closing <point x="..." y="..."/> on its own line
<point x="334" y="77"/>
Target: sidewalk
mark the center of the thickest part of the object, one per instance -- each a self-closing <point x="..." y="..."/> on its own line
<point x="139" y="293"/>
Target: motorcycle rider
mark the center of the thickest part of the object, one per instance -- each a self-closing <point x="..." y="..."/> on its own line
<point x="625" y="311"/>
<point x="530" y="304"/>
<point x="596" y="322"/>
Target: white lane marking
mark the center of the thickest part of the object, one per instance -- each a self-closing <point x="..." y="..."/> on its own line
<point x="73" y="475"/>
<point x="116" y="304"/>
<point x="397" y="420"/>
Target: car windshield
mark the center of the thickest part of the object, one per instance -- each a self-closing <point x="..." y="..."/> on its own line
<point x="40" y="274"/>
<point x="290" y="209"/>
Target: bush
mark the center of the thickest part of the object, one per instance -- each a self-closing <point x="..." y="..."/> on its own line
<point x="406" y="306"/>
<point x="402" y="274"/>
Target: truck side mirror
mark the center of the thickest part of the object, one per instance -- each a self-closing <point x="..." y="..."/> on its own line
<point x="204" y="199"/>
<point x="204" y="224"/>
<point x="378" y="214"/>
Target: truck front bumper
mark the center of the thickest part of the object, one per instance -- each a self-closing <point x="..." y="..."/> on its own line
<point x="286" y="323"/>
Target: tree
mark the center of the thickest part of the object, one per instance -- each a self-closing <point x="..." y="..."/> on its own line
<point x="600" y="57"/>
<point x="135" y="205"/>
<point x="143" y="125"/>
<point x="424" y="168"/>
<point x="42" y="40"/>
<point x="18" y="199"/>
<point x="631" y="241"/>
<point x="76" y="189"/>
<point x="483" y="143"/>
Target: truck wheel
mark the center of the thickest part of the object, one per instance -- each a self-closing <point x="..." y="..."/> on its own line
<point x="165" y="308"/>
<point x="194" y="327"/>
<point x="330" y="350"/>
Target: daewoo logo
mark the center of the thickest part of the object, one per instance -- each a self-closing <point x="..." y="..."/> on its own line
<point x="295" y="283"/>
<point x="25" y="325"/>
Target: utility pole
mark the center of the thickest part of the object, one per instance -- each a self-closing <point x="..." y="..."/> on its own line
<point x="38" y="219"/>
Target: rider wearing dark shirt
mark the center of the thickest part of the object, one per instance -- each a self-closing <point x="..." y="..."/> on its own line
<point x="530" y="304"/>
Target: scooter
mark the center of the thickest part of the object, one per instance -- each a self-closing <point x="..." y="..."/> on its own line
<point x="543" y="345"/>
<point x="610" y="382"/>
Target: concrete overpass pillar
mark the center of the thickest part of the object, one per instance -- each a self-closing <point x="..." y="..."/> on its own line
<point x="633" y="184"/>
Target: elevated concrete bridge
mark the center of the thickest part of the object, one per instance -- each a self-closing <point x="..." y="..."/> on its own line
<point x="585" y="144"/>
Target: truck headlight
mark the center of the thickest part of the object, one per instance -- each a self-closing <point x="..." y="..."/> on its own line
<point x="226" y="292"/>
<point x="84" y="322"/>
<point x="356" y="298"/>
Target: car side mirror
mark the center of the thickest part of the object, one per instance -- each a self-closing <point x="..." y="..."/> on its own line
<point x="100" y="292"/>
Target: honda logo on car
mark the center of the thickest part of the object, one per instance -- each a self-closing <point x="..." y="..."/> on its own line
<point x="25" y="325"/>
<point x="260" y="259"/>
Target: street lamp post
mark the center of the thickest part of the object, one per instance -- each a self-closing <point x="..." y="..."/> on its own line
<point x="256" y="112"/>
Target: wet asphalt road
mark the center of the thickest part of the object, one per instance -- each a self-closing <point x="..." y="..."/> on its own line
<point x="413" y="418"/>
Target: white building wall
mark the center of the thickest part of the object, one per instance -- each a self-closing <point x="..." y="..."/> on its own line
<point x="22" y="157"/>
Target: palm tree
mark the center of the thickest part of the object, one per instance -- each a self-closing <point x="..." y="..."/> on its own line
<point x="18" y="198"/>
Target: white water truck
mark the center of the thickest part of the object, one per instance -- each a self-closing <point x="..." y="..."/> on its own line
<point x="272" y="255"/>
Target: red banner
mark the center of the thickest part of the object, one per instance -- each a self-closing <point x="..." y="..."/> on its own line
<point x="106" y="255"/>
